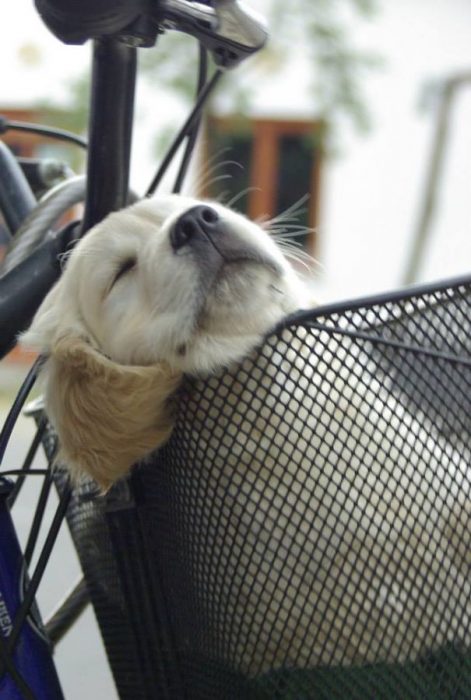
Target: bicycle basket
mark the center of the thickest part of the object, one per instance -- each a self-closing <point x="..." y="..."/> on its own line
<point x="305" y="533"/>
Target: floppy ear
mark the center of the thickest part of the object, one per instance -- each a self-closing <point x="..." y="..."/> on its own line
<point x="107" y="416"/>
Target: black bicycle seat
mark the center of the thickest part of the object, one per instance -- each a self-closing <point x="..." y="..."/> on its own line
<point x="76" y="21"/>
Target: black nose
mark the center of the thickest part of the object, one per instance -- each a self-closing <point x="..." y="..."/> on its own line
<point x="194" y="223"/>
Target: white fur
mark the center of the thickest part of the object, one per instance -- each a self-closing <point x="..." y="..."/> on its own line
<point x="153" y="310"/>
<point x="117" y="347"/>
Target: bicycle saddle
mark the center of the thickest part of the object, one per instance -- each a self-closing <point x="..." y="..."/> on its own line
<point x="76" y="21"/>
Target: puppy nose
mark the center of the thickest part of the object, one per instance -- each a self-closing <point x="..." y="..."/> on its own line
<point x="197" y="221"/>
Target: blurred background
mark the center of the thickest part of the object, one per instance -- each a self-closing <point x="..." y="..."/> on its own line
<point x="357" y="110"/>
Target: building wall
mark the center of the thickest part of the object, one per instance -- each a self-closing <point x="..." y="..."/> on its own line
<point x="374" y="191"/>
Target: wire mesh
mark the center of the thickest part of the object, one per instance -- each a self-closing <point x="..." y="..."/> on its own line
<point x="305" y="533"/>
<point x="26" y="667"/>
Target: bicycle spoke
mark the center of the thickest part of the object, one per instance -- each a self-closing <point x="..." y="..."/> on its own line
<point x="26" y="467"/>
<point x="37" y="520"/>
<point x="18" y="404"/>
<point x="68" y="612"/>
<point x="39" y="570"/>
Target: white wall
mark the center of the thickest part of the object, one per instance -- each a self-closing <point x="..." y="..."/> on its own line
<point x="372" y="190"/>
<point x="373" y="193"/>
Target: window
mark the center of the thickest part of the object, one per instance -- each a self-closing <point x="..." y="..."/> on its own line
<point x="278" y="163"/>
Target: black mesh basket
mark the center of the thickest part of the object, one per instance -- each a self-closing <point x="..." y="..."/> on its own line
<point x="306" y="531"/>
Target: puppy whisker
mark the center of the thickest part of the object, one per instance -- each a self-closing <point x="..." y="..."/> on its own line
<point x="290" y="232"/>
<point x="204" y="180"/>
<point x="217" y="178"/>
<point x="241" y="194"/>
<point x="293" y="211"/>
<point x="300" y="257"/>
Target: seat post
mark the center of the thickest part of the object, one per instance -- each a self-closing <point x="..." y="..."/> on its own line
<point x="110" y="128"/>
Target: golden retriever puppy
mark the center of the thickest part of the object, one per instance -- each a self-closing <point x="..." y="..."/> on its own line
<point x="347" y="558"/>
<point x="169" y="285"/>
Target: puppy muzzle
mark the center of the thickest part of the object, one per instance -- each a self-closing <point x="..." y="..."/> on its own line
<point x="202" y="232"/>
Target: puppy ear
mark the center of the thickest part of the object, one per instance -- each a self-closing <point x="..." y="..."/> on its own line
<point x="107" y="416"/>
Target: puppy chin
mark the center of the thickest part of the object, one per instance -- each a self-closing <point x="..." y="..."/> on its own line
<point x="223" y="339"/>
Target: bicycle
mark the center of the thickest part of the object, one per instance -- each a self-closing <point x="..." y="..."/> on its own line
<point x="162" y="600"/>
<point x="119" y="32"/>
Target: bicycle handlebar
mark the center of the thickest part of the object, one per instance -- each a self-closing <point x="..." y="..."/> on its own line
<point x="226" y="28"/>
<point x="23" y="289"/>
<point x="229" y="30"/>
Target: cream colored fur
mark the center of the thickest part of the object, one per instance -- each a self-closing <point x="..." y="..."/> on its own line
<point x="107" y="415"/>
<point x="117" y="347"/>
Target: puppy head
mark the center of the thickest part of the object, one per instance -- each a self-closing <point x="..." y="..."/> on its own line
<point x="170" y="279"/>
<point x="169" y="285"/>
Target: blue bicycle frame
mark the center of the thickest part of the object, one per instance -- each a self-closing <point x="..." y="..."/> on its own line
<point x="29" y="670"/>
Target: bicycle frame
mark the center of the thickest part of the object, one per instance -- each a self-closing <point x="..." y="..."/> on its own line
<point x="110" y="129"/>
<point x="29" y="664"/>
<point x="25" y="658"/>
<point x="26" y="668"/>
<point x="16" y="198"/>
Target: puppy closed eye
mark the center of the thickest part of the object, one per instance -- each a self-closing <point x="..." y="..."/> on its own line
<point x="124" y="267"/>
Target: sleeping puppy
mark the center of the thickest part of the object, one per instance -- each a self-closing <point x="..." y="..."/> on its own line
<point x="167" y="286"/>
<point x="346" y="557"/>
<point x="347" y="539"/>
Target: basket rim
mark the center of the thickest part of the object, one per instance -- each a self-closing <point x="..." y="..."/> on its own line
<point x="371" y="300"/>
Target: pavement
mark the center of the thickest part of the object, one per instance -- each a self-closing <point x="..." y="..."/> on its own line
<point x="12" y="375"/>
